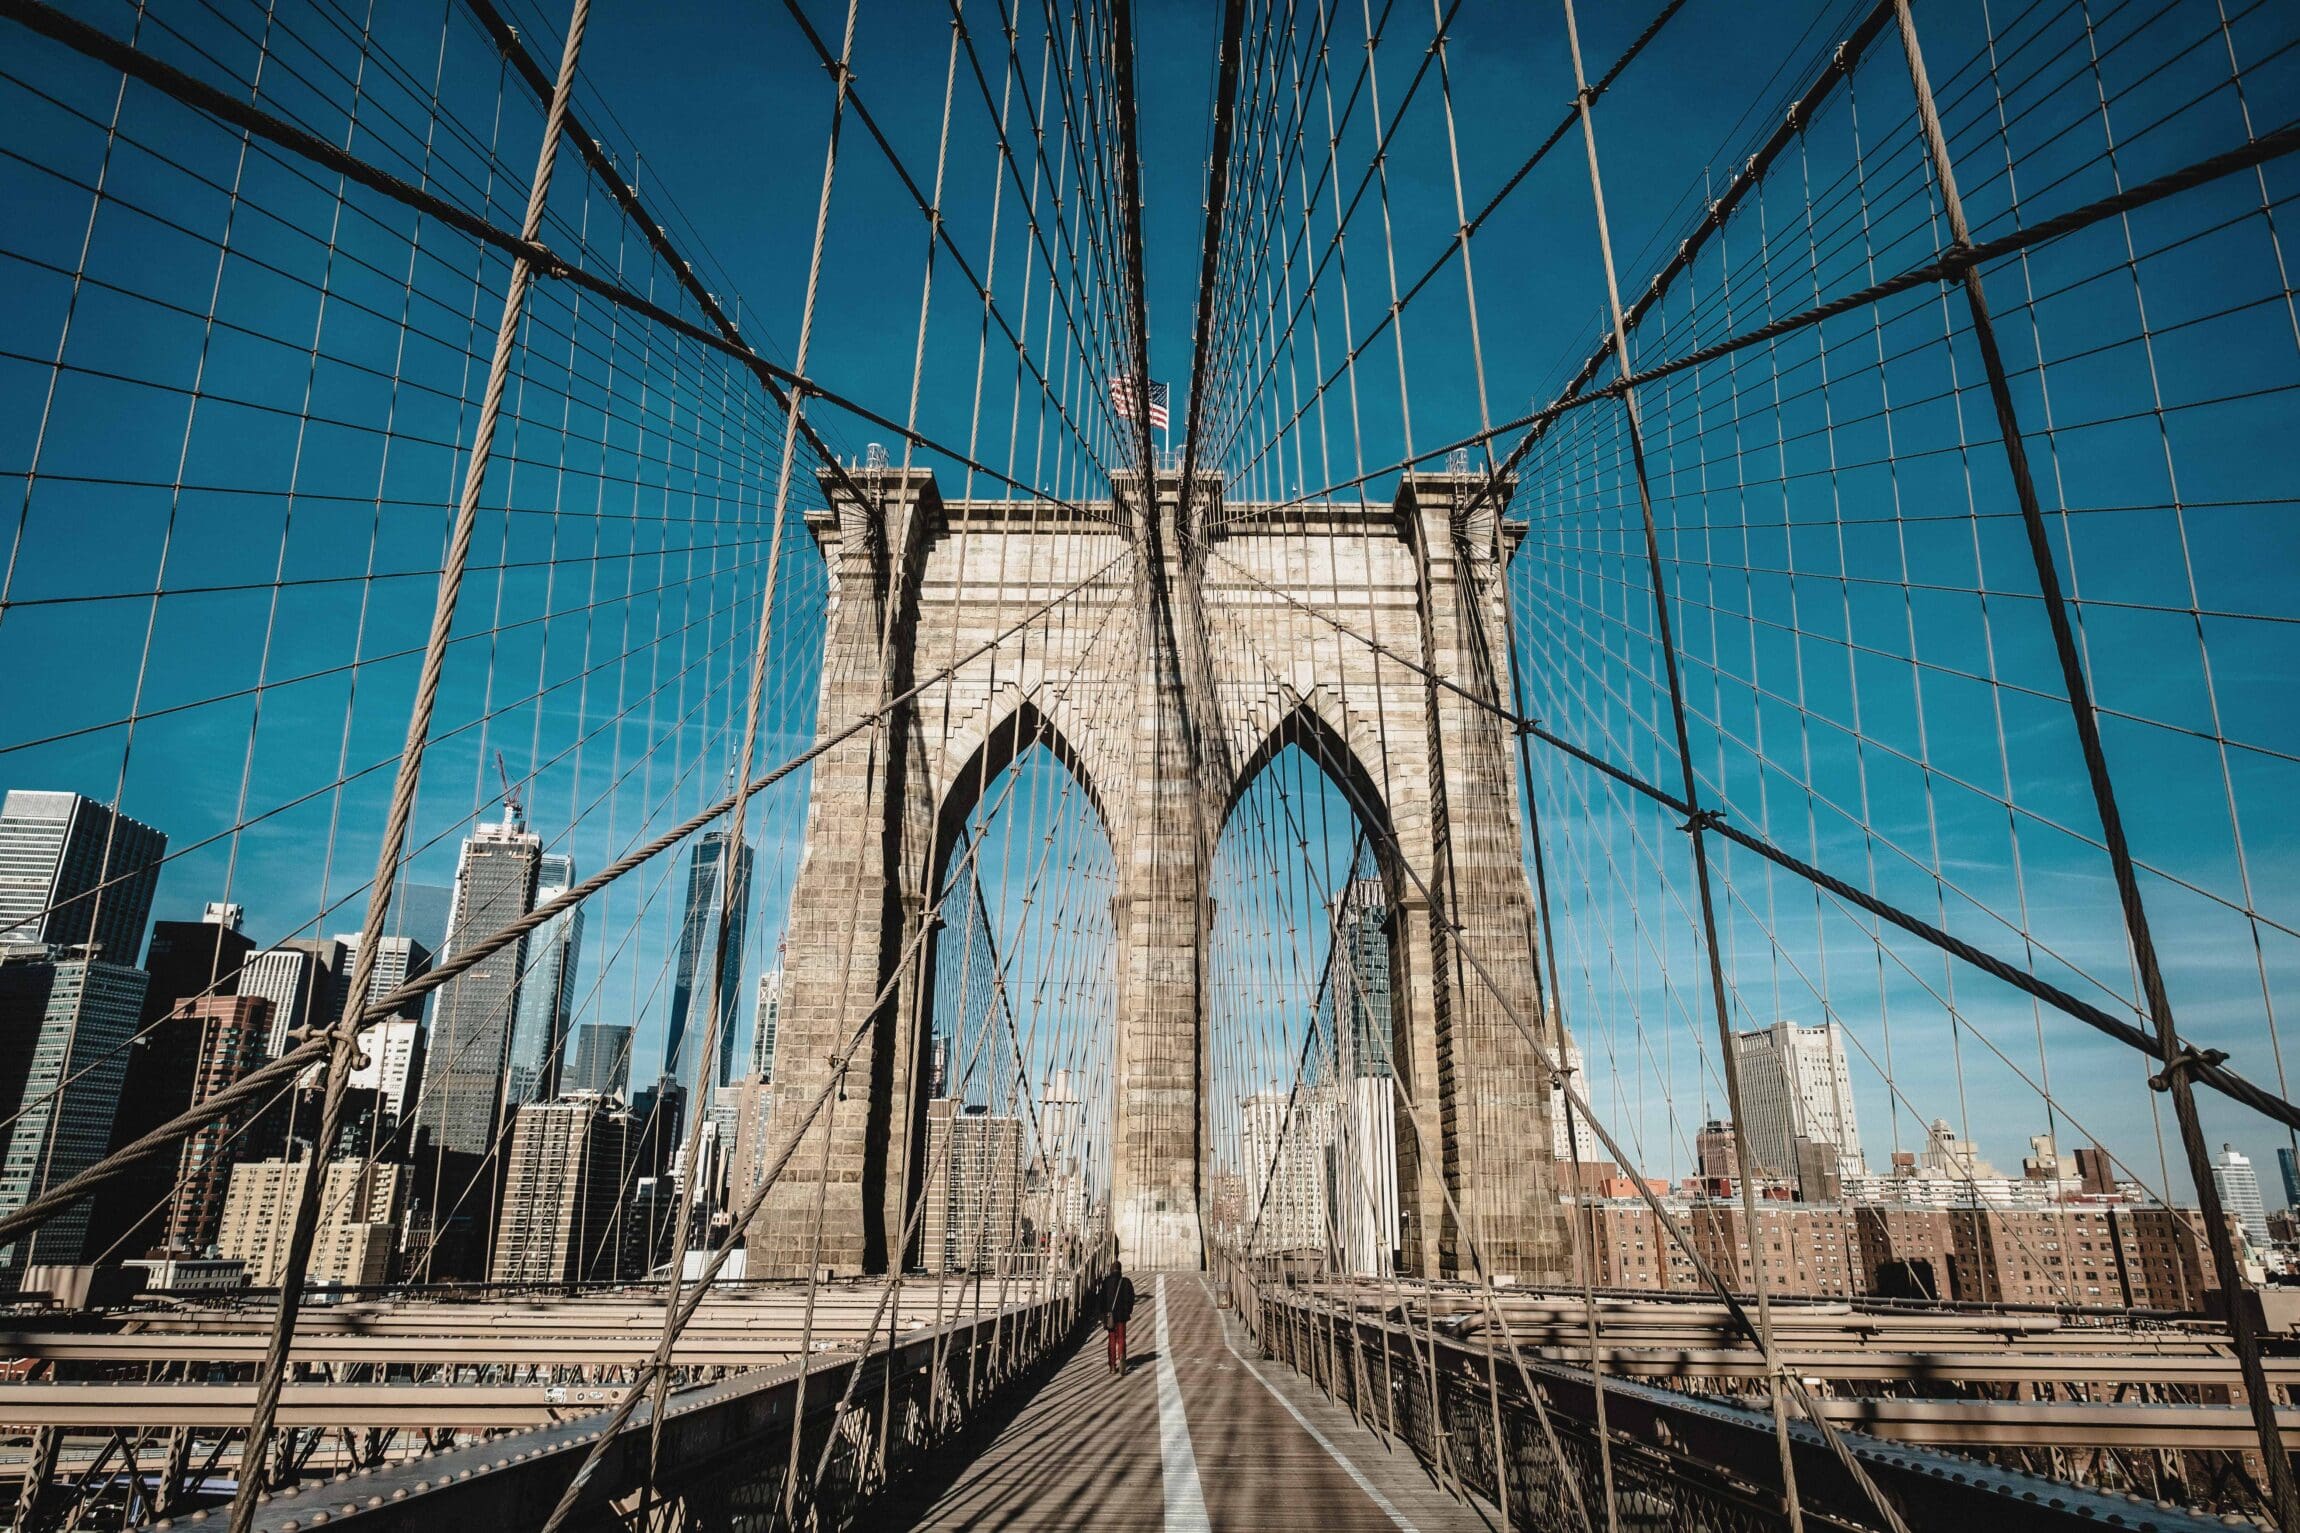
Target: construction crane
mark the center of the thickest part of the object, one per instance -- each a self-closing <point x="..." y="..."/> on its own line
<point x="516" y="810"/>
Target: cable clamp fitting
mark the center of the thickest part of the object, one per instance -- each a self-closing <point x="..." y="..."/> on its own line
<point x="1704" y="819"/>
<point x="2189" y="1060"/>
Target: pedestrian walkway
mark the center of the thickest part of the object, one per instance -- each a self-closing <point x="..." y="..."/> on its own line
<point x="1201" y="1437"/>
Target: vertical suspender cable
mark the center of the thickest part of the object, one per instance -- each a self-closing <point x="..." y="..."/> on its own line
<point x="343" y="1054"/>
<point x="1666" y="641"/>
<point x="2178" y="1059"/>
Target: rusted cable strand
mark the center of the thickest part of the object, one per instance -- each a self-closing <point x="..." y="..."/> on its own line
<point x="41" y="1209"/>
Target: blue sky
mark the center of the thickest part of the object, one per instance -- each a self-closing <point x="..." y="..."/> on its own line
<point x="1833" y="547"/>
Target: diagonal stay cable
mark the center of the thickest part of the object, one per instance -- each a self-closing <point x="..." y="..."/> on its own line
<point x="1792" y="1385"/>
<point x="2227" y="1082"/>
<point x="40" y="1210"/>
<point x="833" y="1085"/>
<point x="37" y="16"/>
<point x="1217" y="196"/>
<point x="840" y="71"/>
<point x="1130" y="192"/>
<point x="1458" y="242"/>
<point x="603" y="168"/>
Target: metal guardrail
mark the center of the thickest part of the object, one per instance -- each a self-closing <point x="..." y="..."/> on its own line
<point x="1678" y="1460"/>
<point x="724" y="1444"/>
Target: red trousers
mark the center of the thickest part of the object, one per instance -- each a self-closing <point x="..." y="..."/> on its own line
<point x="1117" y="1343"/>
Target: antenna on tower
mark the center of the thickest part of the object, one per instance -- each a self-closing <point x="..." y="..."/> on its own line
<point x="514" y="809"/>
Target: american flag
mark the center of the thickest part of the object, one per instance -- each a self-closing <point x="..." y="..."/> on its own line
<point x="1122" y="400"/>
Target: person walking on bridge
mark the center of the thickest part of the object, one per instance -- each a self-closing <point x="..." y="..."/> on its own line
<point x="1117" y="1309"/>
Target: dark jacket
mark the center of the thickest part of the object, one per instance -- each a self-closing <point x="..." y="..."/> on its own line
<point x="1117" y="1299"/>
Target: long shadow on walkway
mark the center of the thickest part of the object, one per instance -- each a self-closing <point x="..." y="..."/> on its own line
<point x="1079" y="1451"/>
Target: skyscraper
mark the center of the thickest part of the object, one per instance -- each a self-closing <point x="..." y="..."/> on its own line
<point x="1795" y="1085"/>
<point x="394" y="1069"/>
<point x="231" y="1030"/>
<point x="1358" y="982"/>
<point x="471" y="1025"/>
<point x="546" y="990"/>
<point x="73" y="873"/>
<point x="303" y="981"/>
<point x="2286" y="1163"/>
<point x="65" y="1022"/>
<point x="359" y="1210"/>
<point x="973" y="1187"/>
<point x="189" y="962"/>
<point x="1584" y="1140"/>
<point x="602" y="1060"/>
<point x="422" y="912"/>
<point x="698" y="937"/>
<point x="563" y="1191"/>
<point x="1285" y="1139"/>
<point x="2239" y="1188"/>
<point x="753" y="1144"/>
<point x="188" y="959"/>
<point x="763" y="1027"/>
<point x="1361" y="1174"/>
<point x="397" y="960"/>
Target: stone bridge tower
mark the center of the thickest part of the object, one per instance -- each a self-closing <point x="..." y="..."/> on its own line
<point x="1195" y="654"/>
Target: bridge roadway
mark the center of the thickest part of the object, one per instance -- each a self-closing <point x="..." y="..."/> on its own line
<point x="1197" y="1438"/>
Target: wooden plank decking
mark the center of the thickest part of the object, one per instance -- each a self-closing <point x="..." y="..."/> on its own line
<point x="1090" y="1452"/>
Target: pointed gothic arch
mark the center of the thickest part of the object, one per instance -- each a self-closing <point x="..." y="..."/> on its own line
<point x="1023" y="726"/>
<point x="1210" y="672"/>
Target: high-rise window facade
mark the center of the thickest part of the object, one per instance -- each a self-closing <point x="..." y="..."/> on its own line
<point x="602" y="1060"/>
<point x="546" y="990"/>
<point x="65" y="1023"/>
<point x="1358" y="983"/>
<point x="698" y="938"/>
<point x="464" y="1067"/>
<point x="74" y="873"/>
<point x="764" y="1027"/>
<point x="1795" y="1084"/>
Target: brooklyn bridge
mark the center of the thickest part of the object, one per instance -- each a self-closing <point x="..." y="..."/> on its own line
<point x="1149" y="765"/>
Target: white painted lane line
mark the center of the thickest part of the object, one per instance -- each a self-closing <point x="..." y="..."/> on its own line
<point x="1185" y="1501"/>
<point x="1389" y="1509"/>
